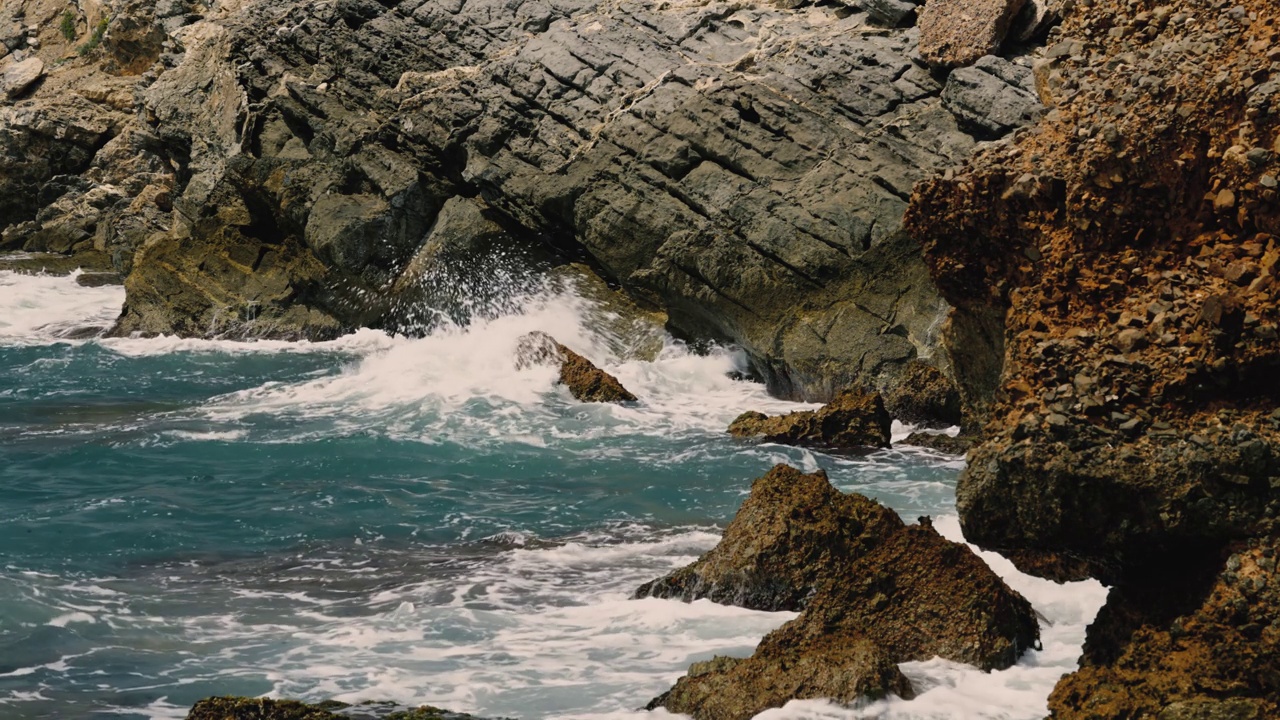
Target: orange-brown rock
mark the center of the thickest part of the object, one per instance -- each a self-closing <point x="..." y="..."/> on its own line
<point x="958" y="32"/>
<point x="1125" y="248"/>
<point x="925" y="397"/>
<point x="854" y="419"/>
<point x="791" y="532"/>
<point x="585" y="381"/>
<point x="884" y="593"/>
<point x="841" y="669"/>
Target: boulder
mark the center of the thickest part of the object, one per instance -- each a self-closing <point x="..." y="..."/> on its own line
<point x="948" y="444"/>
<point x="793" y="530"/>
<point x="955" y="33"/>
<point x="585" y="381"/>
<point x="924" y="397"/>
<point x="17" y="77"/>
<point x="841" y="669"/>
<point x="993" y="96"/>
<point x="854" y="419"/>
<point x="892" y="13"/>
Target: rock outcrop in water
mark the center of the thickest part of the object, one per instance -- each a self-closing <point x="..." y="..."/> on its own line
<point x="853" y="420"/>
<point x="874" y="593"/>
<point x="1122" y="255"/>
<point x="242" y="708"/>
<point x="793" y="531"/>
<point x="584" y="380"/>
<point x="286" y="168"/>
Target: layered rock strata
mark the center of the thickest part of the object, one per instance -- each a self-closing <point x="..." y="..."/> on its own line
<point x="874" y="593"/>
<point x="1120" y="257"/>
<point x="286" y="168"/>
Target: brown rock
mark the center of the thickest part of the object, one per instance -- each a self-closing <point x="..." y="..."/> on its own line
<point x="792" y="531"/>
<point x="1050" y="566"/>
<point x="954" y="33"/>
<point x="854" y="419"/>
<point x="585" y="381"/>
<point x="958" y="445"/>
<point x="924" y="397"/>
<point x="842" y="669"/>
<point x="17" y="77"/>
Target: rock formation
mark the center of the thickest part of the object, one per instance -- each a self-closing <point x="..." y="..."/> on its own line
<point x="1121" y="256"/>
<point x="793" y="530"/>
<point x="924" y="397"/>
<point x="873" y="591"/>
<point x="288" y="168"/>
<point x="242" y="708"/>
<point x="853" y="420"/>
<point x="585" y="381"/>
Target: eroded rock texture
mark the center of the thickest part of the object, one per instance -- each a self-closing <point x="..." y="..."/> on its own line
<point x="1126" y="246"/>
<point x="853" y="420"/>
<point x="291" y="168"/>
<point x="874" y="593"/>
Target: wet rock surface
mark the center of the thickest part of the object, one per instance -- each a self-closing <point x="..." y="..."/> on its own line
<point x="874" y="593"/>
<point x="742" y="168"/>
<point x="1128" y="242"/>
<point x="242" y="708"/>
<point x="793" y="531"/>
<point x="853" y="420"/>
<point x="585" y="381"/>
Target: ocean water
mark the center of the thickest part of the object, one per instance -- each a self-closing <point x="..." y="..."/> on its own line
<point x="381" y="518"/>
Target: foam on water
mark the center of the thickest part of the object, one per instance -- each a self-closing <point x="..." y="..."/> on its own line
<point x="523" y="609"/>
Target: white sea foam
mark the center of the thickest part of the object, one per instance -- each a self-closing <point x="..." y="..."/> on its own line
<point x="37" y="309"/>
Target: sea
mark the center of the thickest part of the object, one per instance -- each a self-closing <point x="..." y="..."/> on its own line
<point x="407" y="519"/>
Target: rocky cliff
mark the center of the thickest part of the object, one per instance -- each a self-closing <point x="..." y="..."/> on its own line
<point x="1112" y="269"/>
<point x="292" y="168"/>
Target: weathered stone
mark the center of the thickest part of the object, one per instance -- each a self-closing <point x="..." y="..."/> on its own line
<point x="585" y="381"/>
<point x="955" y="33"/>
<point x="854" y="419"/>
<point x="889" y="12"/>
<point x="242" y="708"/>
<point x="951" y="445"/>
<point x="793" y="530"/>
<point x="17" y="77"/>
<point x="924" y="397"/>
<point x="841" y="669"/>
<point x="993" y="96"/>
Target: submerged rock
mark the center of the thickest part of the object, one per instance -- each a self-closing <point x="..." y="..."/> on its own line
<point x="854" y="419"/>
<point x="793" y="531"/>
<point x="873" y="591"/>
<point x="242" y="708"/>
<point x="839" y="668"/>
<point x="585" y="381"/>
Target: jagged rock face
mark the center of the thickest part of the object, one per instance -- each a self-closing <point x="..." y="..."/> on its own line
<point x="924" y="397"/>
<point x="852" y="420"/>
<point x="792" y="531"/>
<point x="840" y="669"/>
<point x="874" y="593"/>
<point x="1132" y="423"/>
<point x="1129" y="243"/>
<point x="584" y="380"/>
<point x="1208" y="650"/>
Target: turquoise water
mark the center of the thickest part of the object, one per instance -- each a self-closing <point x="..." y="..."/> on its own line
<point x="382" y="518"/>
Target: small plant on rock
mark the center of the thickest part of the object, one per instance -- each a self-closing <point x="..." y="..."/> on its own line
<point x="68" y="25"/>
<point x="96" y="38"/>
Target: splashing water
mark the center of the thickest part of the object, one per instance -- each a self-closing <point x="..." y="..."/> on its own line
<point x="399" y="519"/>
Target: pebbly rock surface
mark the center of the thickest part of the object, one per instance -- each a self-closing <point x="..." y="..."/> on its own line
<point x="955" y="33"/>
<point x="1125" y="248"/>
<point x="873" y="593"/>
<point x="585" y="381"/>
<point x="854" y="419"/>
<point x="793" y="531"/>
<point x="291" y="168"/>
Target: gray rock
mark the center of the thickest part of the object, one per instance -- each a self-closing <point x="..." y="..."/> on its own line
<point x="1036" y="18"/>
<point x="18" y="77"/>
<point x="993" y="96"/>
<point x="890" y="12"/>
<point x="955" y="33"/>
